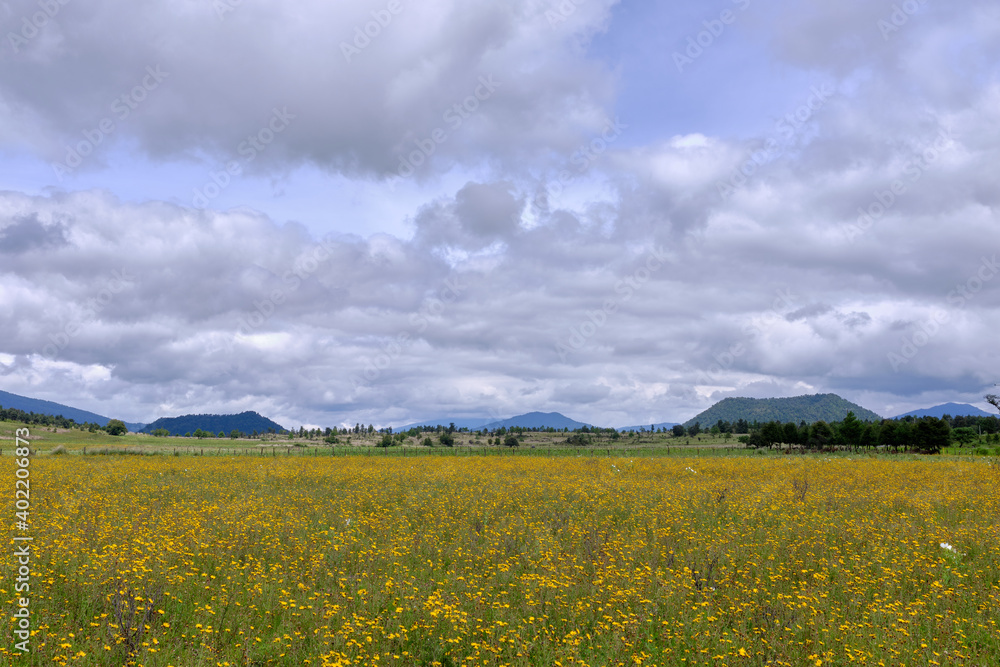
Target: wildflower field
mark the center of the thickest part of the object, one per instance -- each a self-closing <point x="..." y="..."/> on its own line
<point x="518" y="560"/>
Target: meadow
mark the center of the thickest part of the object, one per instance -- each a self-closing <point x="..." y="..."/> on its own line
<point x="580" y="559"/>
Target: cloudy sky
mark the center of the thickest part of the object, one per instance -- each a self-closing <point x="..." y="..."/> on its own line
<point x="388" y="211"/>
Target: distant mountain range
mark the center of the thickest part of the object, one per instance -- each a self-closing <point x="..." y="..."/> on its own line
<point x="953" y="409"/>
<point x="38" y="406"/>
<point x="471" y="424"/>
<point x="528" y="420"/>
<point x="826" y="407"/>
<point x="818" y="407"/>
<point x="245" y="422"/>
<point x="538" y="420"/>
<point x="645" y="427"/>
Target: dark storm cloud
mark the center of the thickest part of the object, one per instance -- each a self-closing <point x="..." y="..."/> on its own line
<point x="487" y="211"/>
<point x="496" y="75"/>
<point x="26" y="233"/>
<point x="809" y="311"/>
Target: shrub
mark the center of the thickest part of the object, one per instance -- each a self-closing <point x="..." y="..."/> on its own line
<point x="58" y="450"/>
<point x="116" y="427"/>
<point x="121" y="451"/>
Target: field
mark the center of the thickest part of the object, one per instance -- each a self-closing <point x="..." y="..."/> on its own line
<point x="74" y="440"/>
<point x="509" y="560"/>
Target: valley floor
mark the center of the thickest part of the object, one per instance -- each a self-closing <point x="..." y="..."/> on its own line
<point x="580" y="559"/>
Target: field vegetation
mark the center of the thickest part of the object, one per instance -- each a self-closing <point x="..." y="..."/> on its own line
<point x="528" y="559"/>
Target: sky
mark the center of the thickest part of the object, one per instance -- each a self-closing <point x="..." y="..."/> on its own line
<point x="389" y="211"/>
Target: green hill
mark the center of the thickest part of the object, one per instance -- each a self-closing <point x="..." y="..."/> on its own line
<point x="245" y="422"/>
<point x="825" y="407"/>
<point x="37" y="406"/>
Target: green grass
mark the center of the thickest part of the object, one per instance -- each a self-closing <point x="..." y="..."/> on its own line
<point x="46" y="439"/>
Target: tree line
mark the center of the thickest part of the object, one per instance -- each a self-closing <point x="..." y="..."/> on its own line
<point x="926" y="434"/>
<point x="15" y="415"/>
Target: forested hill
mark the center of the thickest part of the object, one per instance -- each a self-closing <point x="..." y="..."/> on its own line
<point x="245" y="422"/>
<point x="818" y="407"/>
<point x="538" y="420"/>
<point x="56" y="410"/>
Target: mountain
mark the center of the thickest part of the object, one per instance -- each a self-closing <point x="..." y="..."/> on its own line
<point x="953" y="409"/>
<point x="245" y="422"/>
<point x="538" y="420"/>
<point x="666" y="425"/>
<point x="25" y="404"/>
<point x="527" y="420"/>
<point x="471" y="424"/>
<point x="825" y="407"/>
